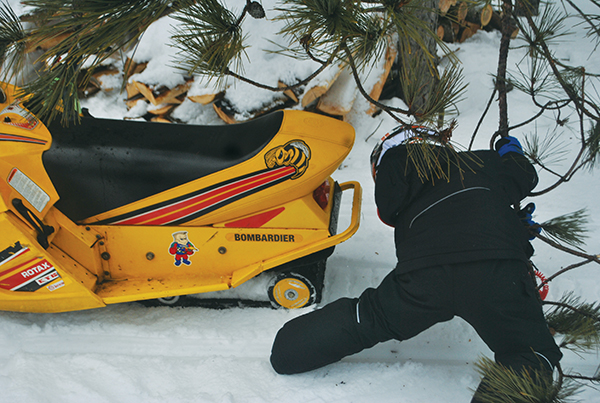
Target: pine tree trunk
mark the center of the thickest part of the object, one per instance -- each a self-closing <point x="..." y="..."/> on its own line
<point x="413" y="57"/>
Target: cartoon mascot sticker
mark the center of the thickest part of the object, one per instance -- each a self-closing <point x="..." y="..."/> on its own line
<point x="294" y="153"/>
<point x="181" y="248"/>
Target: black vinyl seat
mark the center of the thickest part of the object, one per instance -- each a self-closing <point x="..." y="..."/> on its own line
<point x="103" y="164"/>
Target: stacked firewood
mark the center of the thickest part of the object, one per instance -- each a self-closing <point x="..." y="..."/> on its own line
<point x="333" y="92"/>
<point x="461" y="20"/>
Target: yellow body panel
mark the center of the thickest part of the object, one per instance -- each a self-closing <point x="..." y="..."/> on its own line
<point x="108" y="259"/>
<point x="81" y="242"/>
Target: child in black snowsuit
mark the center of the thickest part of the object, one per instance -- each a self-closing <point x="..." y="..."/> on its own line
<point x="462" y="251"/>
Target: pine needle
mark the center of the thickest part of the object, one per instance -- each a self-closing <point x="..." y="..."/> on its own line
<point x="568" y="228"/>
<point x="325" y="21"/>
<point x="592" y="147"/>
<point x="546" y="151"/>
<point x="408" y="21"/>
<point x="577" y="321"/>
<point x="502" y="385"/>
<point x="320" y="26"/>
<point x="210" y="41"/>
<point x="12" y="46"/>
<point x="440" y="98"/>
<point x="434" y="156"/>
<point x="551" y="28"/>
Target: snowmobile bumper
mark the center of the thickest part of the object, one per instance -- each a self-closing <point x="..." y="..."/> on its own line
<point x="241" y="276"/>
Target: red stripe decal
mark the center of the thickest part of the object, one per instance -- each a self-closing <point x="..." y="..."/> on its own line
<point x="183" y="208"/>
<point x="255" y="221"/>
<point x="203" y="204"/>
<point x="11" y="137"/>
<point x="206" y="202"/>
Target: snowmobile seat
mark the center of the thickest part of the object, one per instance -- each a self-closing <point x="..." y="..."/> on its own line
<point x="103" y="164"/>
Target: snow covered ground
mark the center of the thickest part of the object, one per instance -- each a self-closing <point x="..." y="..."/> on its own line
<point x="130" y="353"/>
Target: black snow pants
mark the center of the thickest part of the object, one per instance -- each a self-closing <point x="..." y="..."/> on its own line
<point x="497" y="297"/>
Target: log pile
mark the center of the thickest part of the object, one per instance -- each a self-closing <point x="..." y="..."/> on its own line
<point x="333" y="92"/>
<point x="460" y="20"/>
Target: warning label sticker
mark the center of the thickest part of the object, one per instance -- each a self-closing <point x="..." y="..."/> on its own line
<point x="28" y="189"/>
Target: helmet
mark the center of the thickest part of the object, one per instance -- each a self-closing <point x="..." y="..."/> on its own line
<point x="405" y="134"/>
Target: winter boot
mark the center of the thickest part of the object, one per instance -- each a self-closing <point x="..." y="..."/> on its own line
<point x="318" y="338"/>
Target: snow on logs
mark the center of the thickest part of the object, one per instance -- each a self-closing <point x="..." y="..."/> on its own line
<point x="333" y="92"/>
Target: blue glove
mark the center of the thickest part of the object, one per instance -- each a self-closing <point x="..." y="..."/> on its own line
<point x="525" y="215"/>
<point x="508" y="144"/>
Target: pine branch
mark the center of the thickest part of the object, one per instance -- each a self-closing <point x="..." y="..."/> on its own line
<point x="326" y="23"/>
<point x="428" y="161"/>
<point x="570" y="306"/>
<point x="592" y="147"/>
<point x="546" y="151"/>
<point x="439" y="98"/>
<point x="431" y="155"/>
<point x="12" y="45"/>
<point x="287" y="87"/>
<point x="594" y="258"/>
<point x="568" y="228"/>
<point x="543" y="49"/>
<point x="577" y="321"/>
<point x="501" y="384"/>
<point x="549" y="76"/>
<point x="586" y="156"/>
<point x="361" y="89"/>
<point x="54" y="93"/>
<point x="595" y="378"/>
<point x="537" y="81"/>
<point x="550" y="29"/>
<point x="592" y="21"/>
<point x="481" y="118"/>
<point x="575" y="166"/>
<point x="211" y="40"/>
<point x="322" y="25"/>
<point x="550" y="105"/>
<point x="372" y="43"/>
<point x="564" y="270"/>
<point x="408" y="19"/>
<point x="202" y="45"/>
<point x="445" y="94"/>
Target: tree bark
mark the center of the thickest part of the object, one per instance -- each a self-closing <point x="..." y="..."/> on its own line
<point x="501" y="75"/>
<point x="411" y="53"/>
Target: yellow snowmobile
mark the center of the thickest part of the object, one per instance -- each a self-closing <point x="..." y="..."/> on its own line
<point x="111" y="211"/>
